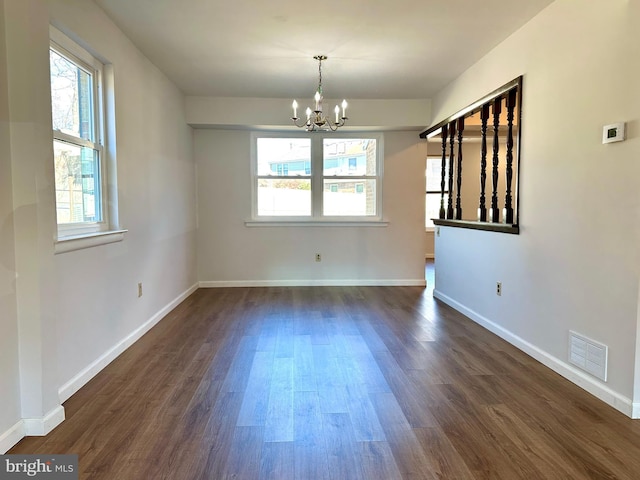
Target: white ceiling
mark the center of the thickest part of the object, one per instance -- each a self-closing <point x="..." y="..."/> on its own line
<point x="376" y="48"/>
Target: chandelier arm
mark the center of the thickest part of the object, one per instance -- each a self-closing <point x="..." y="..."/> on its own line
<point x="304" y="123"/>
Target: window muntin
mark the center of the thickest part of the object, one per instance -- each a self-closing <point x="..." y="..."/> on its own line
<point x="317" y="177"/>
<point x="79" y="168"/>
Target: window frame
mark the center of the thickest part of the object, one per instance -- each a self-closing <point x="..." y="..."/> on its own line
<point x="317" y="180"/>
<point x="79" y="235"/>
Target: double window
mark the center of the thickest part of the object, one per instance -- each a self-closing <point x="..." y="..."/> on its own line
<point x="78" y="138"/>
<point x="317" y="177"/>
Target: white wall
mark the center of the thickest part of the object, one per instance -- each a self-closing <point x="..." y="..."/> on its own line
<point x="230" y="252"/>
<point x="97" y="288"/>
<point x="10" y="412"/>
<point x="30" y="136"/>
<point x="77" y="310"/>
<point x="575" y="264"/>
<point x="369" y="114"/>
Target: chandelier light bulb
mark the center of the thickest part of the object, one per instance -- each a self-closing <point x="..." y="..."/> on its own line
<point x="295" y="109"/>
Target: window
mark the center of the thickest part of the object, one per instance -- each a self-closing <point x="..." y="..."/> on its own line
<point x="78" y="138"/>
<point x="433" y="179"/>
<point x="317" y="177"/>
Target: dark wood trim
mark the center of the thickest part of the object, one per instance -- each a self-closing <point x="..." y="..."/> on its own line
<point x="443" y="173"/>
<point x="452" y="138"/>
<point x="459" y="170"/>
<point x="475" y="106"/>
<point x="491" y="104"/>
<point x="497" y="109"/>
<point x="486" y="226"/>
<point x="508" y="201"/>
<point x="482" y="209"/>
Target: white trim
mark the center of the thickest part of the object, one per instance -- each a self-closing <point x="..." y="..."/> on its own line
<point x="81" y="379"/>
<point x="315" y="223"/>
<point x="78" y="242"/>
<point x="315" y="283"/>
<point x="43" y="425"/>
<point x="10" y="437"/>
<point x="574" y="375"/>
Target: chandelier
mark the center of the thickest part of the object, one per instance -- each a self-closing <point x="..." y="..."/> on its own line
<point x="316" y="119"/>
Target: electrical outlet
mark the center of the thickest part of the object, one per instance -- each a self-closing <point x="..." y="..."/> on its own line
<point x="318" y="257"/>
<point x="499" y="289"/>
<point x="139" y="289"/>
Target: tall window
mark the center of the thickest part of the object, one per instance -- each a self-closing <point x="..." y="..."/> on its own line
<point x="433" y="179"/>
<point x="77" y="115"/>
<point x="317" y="177"/>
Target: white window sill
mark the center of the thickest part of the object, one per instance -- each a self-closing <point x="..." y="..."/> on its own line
<point x="78" y="242"/>
<point x="316" y="223"/>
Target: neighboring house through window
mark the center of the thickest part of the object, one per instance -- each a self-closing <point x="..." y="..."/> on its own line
<point x="317" y="177"/>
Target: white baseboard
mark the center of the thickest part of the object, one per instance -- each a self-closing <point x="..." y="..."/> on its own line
<point x="42" y="426"/>
<point x="12" y="436"/>
<point x="314" y="283"/>
<point x="35" y="427"/>
<point x="581" y="379"/>
<point x="81" y="379"/>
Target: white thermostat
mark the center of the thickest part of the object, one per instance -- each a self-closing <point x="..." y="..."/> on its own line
<point x="613" y="133"/>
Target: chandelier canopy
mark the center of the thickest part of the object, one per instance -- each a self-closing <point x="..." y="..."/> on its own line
<point x="316" y="119"/>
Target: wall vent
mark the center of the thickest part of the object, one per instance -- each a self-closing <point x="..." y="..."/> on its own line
<point x="589" y="355"/>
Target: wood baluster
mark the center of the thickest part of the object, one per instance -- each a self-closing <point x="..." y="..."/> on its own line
<point x="443" y="171"/>
<point x="497" y="108"/>
<point x="452" y="139"/>
<point x="459" y="169"/>
<point x="482" y="210"/>
<point x="508" y="207"/>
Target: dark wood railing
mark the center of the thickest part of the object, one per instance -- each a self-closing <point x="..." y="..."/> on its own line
<point x="452" y="132"/>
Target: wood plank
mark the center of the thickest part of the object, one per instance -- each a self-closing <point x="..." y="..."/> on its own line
<point x="342" y="451"/>
<point x="277" y="461"/>
<point x="279" y="419"/>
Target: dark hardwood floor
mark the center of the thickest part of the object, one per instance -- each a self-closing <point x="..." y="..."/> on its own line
<point x="334" y="383"/>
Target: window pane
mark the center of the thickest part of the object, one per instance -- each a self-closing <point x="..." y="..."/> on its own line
<point x="284" y="197"/>
<point x="355" y="197"/>
<point x="77" y="177"/>
<point x="432" y="207"/>
<point x="349" y="157"/>
<point x="284" y="156"/>
<point x="71" y="98"/>
<point x="434" y="175"/>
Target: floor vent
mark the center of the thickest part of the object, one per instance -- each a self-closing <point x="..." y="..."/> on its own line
<point x="589" y="355"/>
